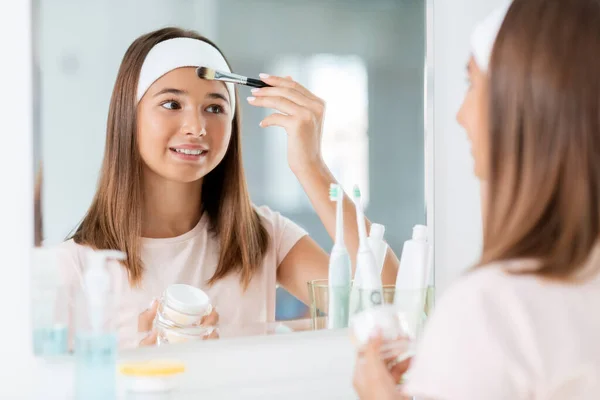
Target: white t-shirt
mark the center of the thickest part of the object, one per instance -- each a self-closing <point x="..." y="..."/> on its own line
<point x="192" y="259"/>
<point x="495" y="335"/>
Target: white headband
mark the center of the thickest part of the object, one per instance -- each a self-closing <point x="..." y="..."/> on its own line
<point x="484" y="36"/>
<point x="181" y="52"/>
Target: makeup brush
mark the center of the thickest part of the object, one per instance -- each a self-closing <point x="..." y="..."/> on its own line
<point x="213" y="75"/>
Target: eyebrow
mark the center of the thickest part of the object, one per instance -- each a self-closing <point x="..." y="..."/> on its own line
<point x="213" y="95"/>
<point x="217" y="96"/>
<point x="171" y="91"/>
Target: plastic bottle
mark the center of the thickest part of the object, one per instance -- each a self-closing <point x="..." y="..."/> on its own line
<point x="96" y="337"/>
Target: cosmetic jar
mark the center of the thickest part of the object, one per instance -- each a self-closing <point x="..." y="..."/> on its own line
<point x="387" y="321"/>
<point x="150" y="380"/>
<point x="179" y="314"/>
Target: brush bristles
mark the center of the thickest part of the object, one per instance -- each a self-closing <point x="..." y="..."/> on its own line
<point x="356" y="192"/>
<point x="205" y="73"/>
<point x="334" y="192"/>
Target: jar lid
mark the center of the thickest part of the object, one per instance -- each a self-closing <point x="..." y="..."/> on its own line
<point x="151" y="368"/>
<point x="187" y="299"/>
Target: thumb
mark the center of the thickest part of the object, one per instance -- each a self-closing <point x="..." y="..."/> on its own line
<point x="276" y="119"/>
<point x="150" y="339"/>
<point x="146" y="317"/>
<point x="372" y="350"/>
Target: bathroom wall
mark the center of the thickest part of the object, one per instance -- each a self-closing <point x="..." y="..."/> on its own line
<point x="457" y="208"/>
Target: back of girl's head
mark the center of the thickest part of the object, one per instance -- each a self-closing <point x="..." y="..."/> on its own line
<point x="114" y="220"/>
<point x="544" y="136"/>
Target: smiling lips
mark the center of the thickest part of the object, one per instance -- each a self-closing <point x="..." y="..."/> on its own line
<point x="189" y="152"/>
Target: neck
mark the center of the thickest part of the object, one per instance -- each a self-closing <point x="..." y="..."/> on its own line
<point x="170" y="208"/>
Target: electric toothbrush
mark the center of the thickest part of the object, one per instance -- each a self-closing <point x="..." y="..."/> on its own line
<point x="367" y="290"/>
<point x="340" y="268"/>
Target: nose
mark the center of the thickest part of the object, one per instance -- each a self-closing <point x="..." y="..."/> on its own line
<point x="194" y="125"/>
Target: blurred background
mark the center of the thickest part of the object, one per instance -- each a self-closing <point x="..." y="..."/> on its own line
<point x="365" y="58"/>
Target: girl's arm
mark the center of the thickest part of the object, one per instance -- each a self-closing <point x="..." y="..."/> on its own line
<point x="301" y="115"/>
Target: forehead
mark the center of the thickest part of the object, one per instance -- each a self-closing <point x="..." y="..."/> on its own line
<point x="185" y="78"/>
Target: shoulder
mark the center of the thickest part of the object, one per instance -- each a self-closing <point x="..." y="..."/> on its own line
<point x="492" y="286"/>
<point x="486" y="290"/>
<point x="480" y="314"/>
<point x="267" y="214"/>
<point x="284" y="233"/>
<point x="274" y="221"/>
<point x="488" y="308"/>
<point x="476" y="282"/>
<point x="71" y="250"/>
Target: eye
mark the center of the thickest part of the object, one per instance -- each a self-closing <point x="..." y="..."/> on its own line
<point x="171" y="105"/>
<point x="215" y="109"/>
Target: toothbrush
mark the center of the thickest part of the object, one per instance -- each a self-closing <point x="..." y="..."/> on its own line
<point x="340" y="268"/>
<point x="367" y="290"/>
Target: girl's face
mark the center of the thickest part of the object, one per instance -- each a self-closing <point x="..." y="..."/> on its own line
<point x="183" y="125"/>
<point x="473" y="117"/>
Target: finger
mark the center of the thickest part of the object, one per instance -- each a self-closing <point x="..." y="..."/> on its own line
<point x="287" y="93"/>
<point x="213" y="335"/>
<point x="393" y="349"/>
<point x="372" y="350"/>
<point x="375" y="343"/>
<point x="399" y="369"/>
<point x="289" y="83"/>
<point x="277" y="119"/>
<point x="278" y="103"/>
<point x="211" y="319"/>
<point x="357" y="380"/>
<point x="150" y="339"/>
<point x="146" y="318"/>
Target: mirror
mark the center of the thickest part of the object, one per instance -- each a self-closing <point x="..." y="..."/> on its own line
<point x="365" y="59"/>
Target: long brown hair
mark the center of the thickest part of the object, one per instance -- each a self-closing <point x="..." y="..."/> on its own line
<point x="544" y="164"/>
<point x="114" y="220"/>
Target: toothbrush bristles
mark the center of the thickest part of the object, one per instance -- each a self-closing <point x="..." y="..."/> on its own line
<point x="356" y="191"/>
<point x="334" y="192"/>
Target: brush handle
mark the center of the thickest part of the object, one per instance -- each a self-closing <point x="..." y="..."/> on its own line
<point x="256" y="83"/>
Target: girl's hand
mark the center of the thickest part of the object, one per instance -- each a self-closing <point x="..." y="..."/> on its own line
<point x="375" y="378"/>
<point x="145" y="321"/>
<point x="300" y="114"/>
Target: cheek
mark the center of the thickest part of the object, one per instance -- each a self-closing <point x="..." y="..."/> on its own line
<point x="473" y="118"/>
<point x="466" y="115"/>
<point x="480" y="134"/>
<point x="220" y="132"/>
<point x="153" y="133"/>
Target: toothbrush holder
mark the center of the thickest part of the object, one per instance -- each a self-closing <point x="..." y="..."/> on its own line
<point x="318" y="293"/>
